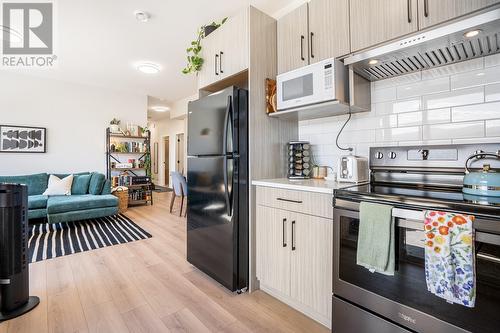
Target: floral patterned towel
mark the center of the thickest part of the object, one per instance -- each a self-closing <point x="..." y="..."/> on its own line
<point x="449" y="257"/>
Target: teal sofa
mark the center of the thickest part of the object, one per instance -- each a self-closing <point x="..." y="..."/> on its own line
<point x="90" y="197"/>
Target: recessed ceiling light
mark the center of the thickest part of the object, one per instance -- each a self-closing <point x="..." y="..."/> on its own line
<point x="373" y="62"/>
<point x="142" y="16"/>
<point x="160" y="108"/>
<point x="148" y="67"/>
<point x="472" y="33"/>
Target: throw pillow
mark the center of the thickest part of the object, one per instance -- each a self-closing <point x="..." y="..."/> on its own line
<point x="80" y="184"/>
<point x="59" y="186"/>
<point x="96" y="183"/>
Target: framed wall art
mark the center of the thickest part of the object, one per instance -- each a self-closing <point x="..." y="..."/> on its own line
<point x="22" y="139"/>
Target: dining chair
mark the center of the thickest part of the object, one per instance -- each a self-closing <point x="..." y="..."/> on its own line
<point x="179" y="185"/>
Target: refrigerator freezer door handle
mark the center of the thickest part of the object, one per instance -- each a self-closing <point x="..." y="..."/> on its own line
<point x="224" y="151"/>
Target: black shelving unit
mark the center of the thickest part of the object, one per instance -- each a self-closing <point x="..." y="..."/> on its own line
<point x="139" y="194"/>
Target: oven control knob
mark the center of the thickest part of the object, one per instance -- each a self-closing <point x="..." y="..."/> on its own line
<point x="379" y="155"/>
<point x="392" y="155"/>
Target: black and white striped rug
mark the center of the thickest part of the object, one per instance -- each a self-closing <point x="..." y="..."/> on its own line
<point x="49" y="240"/>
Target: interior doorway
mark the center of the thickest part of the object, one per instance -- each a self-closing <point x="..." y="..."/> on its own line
<point x="179" y="153"/>
<point x="166" y="160"/>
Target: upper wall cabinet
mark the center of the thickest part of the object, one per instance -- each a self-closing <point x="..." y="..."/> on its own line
<point x="377" y="21"/>
<point x="328" y="32"/>
<point x="432" y="12"/>
<point x="225" y="51"/>
<point x="293" y="41"/>
<point x="315" y="31"/>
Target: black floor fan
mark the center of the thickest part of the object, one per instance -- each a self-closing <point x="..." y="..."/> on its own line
<point x="14" y="273"/>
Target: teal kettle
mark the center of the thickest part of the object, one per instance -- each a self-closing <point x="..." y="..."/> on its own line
<point x="485" y="182"/>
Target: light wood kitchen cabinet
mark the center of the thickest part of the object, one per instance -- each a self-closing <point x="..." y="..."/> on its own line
<point x="225" y="51"/>
<point x="328" y="29"/>
<point x="311" y="263"/>
<point x="209" y="70"/>
<point x="294" y="251"/>
<point x="377" y="21"/>
<point x="273" y="248"/>
<point x="293" y="41"/>
<point x="431" y="12"/>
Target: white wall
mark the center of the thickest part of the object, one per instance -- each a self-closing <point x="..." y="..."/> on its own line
<point x="171" y="127"/>
<point x="455" y="104"/>
<point x="179" y="108"/>
<point x="76" y="117"/>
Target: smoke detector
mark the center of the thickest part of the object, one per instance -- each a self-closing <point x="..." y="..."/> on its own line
<point x="142" y="16"/>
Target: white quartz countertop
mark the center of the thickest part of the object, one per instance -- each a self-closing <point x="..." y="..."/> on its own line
<point x="310" y="185"/>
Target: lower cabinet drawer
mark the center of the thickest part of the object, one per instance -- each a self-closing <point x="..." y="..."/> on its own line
<point x="311" y="203"/>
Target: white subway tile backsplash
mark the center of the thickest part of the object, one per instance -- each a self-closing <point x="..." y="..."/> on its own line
<point x="492" y="92"/>
<point x="493" y="127"/>
<point x="447" y="105"/>
<point x="476" y="112"/>
<point x="453" y="130"/>
<point x="383" y="95"/>
<point x="476" y="78"/>
<point x="400" y="134"/>
<point x="423" y="88"/>
<point x="477" y="140"/>
<point x="434" y="116"/>
<point x="452" y="69"/>
<point x="454" y="98"/>
<point x="492" y="60"/>
<point x="408" y="105"/>
<point x="425" y="142"/>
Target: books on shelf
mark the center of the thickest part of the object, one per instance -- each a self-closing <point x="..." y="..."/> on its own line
<point x="129" y="147"/>
<point x="127" y="180"/>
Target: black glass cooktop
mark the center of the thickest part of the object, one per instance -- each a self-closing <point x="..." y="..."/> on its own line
<point x="426" y="197"/>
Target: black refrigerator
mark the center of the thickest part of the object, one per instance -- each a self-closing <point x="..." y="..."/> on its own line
<point x="217" y="180"/>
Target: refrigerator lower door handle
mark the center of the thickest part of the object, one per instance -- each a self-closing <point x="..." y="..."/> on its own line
<point x="226" y="187"/>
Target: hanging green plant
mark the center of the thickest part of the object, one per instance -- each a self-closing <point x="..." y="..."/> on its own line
<point x="194" y="59"/>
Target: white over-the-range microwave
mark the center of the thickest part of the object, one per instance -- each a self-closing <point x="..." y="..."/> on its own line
<point x="317" y="83"/>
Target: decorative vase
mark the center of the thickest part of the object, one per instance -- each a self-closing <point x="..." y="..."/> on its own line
<point x="209" y="29"/>
<point x="114" y="128"/>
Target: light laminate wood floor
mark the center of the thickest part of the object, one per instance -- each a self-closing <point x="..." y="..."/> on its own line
<point x="146" y="286"/>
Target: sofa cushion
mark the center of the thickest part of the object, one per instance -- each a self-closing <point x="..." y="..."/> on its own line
<point x="64" y="175"/>
<point x="36" y="183"/>
<point x="96" y="183"/>
<point x="37" y="201"/>
<point x="106" y="189"/>
<point x="62" y="204"/>
<point x="80" y="184"/>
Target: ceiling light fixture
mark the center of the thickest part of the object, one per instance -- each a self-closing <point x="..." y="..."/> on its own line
<point x="373" y="62"/>
<point x="142" y="16"/>
<point x="160" y="108"/>
<point x="148" y="67"/>
<point x="472" y="33"/>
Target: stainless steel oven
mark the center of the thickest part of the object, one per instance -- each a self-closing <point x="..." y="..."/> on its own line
<point x="366" y="302"/>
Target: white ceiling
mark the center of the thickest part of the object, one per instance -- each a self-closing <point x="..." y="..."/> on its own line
<point x="98" y="41"/>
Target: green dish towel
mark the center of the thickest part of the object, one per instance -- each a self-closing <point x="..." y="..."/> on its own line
<point x="376" y="238"/>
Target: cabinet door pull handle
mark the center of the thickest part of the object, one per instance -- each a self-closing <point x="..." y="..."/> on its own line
<point x="426" y="8"/>
<point x="293" y="235"/>
<point x="409" y="10"/>
<point x="289" y="200"/>
<point x="220" y="62"/>
<point x="216" y="57"/>
<point x="284" y="232"/>
<point x="302" y="48"/>
<point x="312" y="52"/>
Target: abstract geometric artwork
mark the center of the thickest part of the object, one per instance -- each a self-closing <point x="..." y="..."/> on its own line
<point x="22" y="139"/>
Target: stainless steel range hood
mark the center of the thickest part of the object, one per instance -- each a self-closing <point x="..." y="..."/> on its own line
<point x="435" y="47"/>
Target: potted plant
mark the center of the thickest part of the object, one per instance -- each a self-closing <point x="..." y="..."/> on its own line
<point x="114" y="126"/>
<point x="194" y="59"/>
